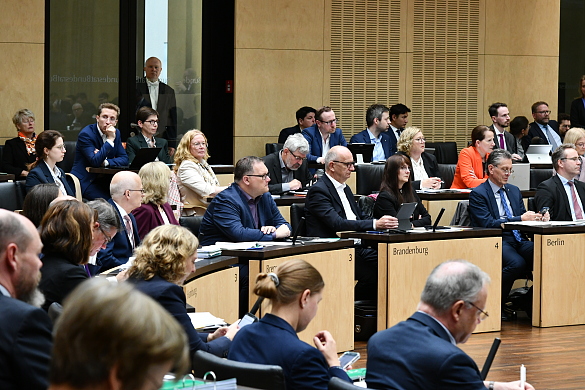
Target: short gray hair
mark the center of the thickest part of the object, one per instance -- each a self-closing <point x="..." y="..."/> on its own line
<point x="446" y="286"/>
<point x="107" y="216"/>
<point x="12" y="230"/>
<point x="331" y="155"/>
<point x="497" y="156"/>
<point x="21" y="114"/>
<point x="297" y="142"/>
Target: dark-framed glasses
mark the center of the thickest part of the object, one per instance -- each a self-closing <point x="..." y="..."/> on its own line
<point x="347" y="164"/>
<point x="263" y="177"/>
<point x="299" y="158"/>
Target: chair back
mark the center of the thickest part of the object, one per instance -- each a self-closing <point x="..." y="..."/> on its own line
<point x="366" y="204"/>
<point x="74" y="183"/>
<point x="339" y="384"/>
<point x="258" y="376"/>
<point x="461" y="216"/>
<point x="10" y="196"/>
<point x="447" y="173"/>
<point x="67" y="162"/>
<point x="271" y="148"/>
<point x="297" y="211"/>
<point x="538" y="175"/>
<point x="368" y="178"/>
<point x="445" y="152"/>
<point x="192" y="223"/>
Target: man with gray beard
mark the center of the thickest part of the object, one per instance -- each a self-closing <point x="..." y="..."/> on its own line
<point x="25" y="330"/>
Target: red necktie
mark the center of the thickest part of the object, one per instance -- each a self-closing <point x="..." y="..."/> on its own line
<point x="578" y="211"/>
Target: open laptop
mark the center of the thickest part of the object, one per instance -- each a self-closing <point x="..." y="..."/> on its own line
<point x="365" y="150"/>
<point x="521" y="176"/>
<point x="144" y="156"/>
<point x="538" y="154"/>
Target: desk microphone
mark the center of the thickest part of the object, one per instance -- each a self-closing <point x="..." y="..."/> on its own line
<point x="490" y="358"/>
<point x="438" y="219"/>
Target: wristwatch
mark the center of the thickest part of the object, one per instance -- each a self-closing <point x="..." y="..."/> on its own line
<point x="491" y="385"/>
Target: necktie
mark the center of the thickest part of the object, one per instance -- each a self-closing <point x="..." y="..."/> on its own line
<point x="150" y="143"/>
<point x="516" y="233"/>
<point x="578" y="211"/>
<point x="129" y="232"/>
<point x="399" y="131"/>
<point x="501" y="141"/>
<point x="550" y="138"/>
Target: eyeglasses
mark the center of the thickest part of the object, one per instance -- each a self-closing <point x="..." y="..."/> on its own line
<point x="329" y="123"/>
<point x="581" y="144"/>
<point x="153" y="122"/>
<point x="347" y="164"/>
<point x="263" y="177"/>
<point x="198" y="144"/>
<point x="571" y="158"/>
<point x="27" y="120"/>
<point x="106" y="118"/>
<point x="421" y="140"/>
<point x="483" y="314"/>
<point x="506" y="171"/>
<point x="108" y="238"/>
<point x="141" y="190"/>
<point x="545" y="112"/>
<point x="298" y="157"/>
<point x="62" y="147"/>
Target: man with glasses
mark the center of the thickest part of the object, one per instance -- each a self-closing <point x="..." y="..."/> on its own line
<point x="495" y="202"/>
<point x="564" y="196"/>
<point x="99" y="145"/>
<point x="543" y="127"/>
<point x="500" y="116"/>
<point x="378" y="122"/>
<point x="421" y="353"/>
<point x="323" y="135"/>
<point x="330" y="207"/>
<point x="288" y="167"/>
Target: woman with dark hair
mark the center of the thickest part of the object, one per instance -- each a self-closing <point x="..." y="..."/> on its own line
<point x="294" y="290"/>
<point x="37" y="201"/>
<point x="147" y="121"/>
<point x="519" y="128"/>
<point x="471" y="170"/>
<point x="67" y="240"/>
<point x="18" y="152"/>
<point x="50" y="149"/>
<point x="396" y="189"/>
<point x="578" y="106"/>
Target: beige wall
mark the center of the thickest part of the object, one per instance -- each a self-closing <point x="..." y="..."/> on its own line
<point x="22" y="39"/>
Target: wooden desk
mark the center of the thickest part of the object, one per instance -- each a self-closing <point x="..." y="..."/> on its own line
<point x="559" y="274"/>
<point x="335" y="262"/>
<point x="224" y="173"/>
<point x="406" y="260"/>
<point x="6" y="177"/>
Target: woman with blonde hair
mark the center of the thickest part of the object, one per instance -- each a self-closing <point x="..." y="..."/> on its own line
<point x="155" y="210"/>
<point x="295" y="290"/>
<point x="425" y="169"/>
<point x="576" y="136"/>
<point x="196" y="179"/>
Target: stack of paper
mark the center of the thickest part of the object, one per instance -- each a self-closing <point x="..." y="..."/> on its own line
<point x="208" y="251"/>
<point x="205" y="319"/>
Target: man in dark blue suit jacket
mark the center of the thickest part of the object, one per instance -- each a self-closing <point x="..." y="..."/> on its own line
<point x="126" y="190"/>
<point x="25" y="330"/>
<point x="378" y="122"/>
<point x="486" y="209"/>
<point x="325" y="129"/>
<point x="421" y="353"/>
<point x="99" y="145"/>
<point x="543" y="127"/>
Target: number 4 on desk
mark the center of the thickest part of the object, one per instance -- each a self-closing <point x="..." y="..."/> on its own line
<point x="497" y="245"/>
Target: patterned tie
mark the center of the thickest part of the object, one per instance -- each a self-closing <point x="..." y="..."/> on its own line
<point x="550" y="138"/>
<point x="516" y="233"/>
<point x="129" y="232"/>
<point x="501" y="141"/>
<point x="578" y="211"/>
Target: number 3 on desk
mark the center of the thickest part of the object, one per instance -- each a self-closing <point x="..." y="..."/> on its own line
<point x="350" y="257"/>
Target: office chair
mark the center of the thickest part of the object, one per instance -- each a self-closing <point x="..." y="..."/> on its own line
<point x="340" y="384"/>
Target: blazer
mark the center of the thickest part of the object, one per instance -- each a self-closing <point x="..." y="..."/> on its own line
<point x="325" y="214"/>
<point x="304" y="366"/>
<point x="469" y="171"/>
<point x="551" y="193"/>
<point x="416" y="354"/>
<point x="195" y="184"/>
<point x="510" y="140"/>
<point x="577" y="113"/>
<point x="148" y="217"/>
<point x="228" y="218"/>
<point x="59" y="276"/>
<point x="285" y="133"/>
<point x="272" y="162"/>
<point x="15" y="158"/>
<point x="431" y="167"/>
<point x="138" y="142"/>
<point x="315" y="140"/>
<point x="536" y="131"/>
<point x="166" y="108"/>
<point x="41" y="174"/>
<point x="172" y="298"/>
<point x="387" y="204"/>
<point x="119" y="250"/>
<point x="388" y="142"/>
<point x="92" y="151"/>
<point x="25" y="346"/>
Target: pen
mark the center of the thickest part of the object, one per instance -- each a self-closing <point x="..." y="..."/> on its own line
<point x="375" y="232"/>
<point x="522" y="376"/>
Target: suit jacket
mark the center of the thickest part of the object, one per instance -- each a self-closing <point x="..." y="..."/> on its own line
<point x="119" y="250"/>
<point x="92" y="151"/>
<point x="508" y="138"/>
<point x="577" y="113"/>
<point x="536" y="131"/>
<point x="285" y="133"/>
<point x="166" y="108"/>
<point x="228" y="218"/>
<point x="148" y="217"/>
<point x="551" y="193"/>
<point x="469" y="172"/>
<point x="387" y="204"/>
<point x="25" y="346"/>
<point x="59" y="276"/>
<point x="272" y="162"/>
<point x="427" y="360"/>
<point x="325" y="214"/>
<point x="15" y="158"/>
<point x="313" y="136"/>
<point x="41" y="174"/>
<point x="431" y="167"/>
<point x="172" y="298"/>
<point x="388" y="142"/>
<point x="303" y="365"/>
<point x="138" y="142"/>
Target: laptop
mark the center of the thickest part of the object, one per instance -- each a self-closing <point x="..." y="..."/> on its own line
<point x="144" y="156"/>
<point x="538" y="154"/>
<point x="364" y="150"/>
<point x="521" y="176"/>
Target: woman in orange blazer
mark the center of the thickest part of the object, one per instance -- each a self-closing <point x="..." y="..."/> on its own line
<point x="470" y="171"/>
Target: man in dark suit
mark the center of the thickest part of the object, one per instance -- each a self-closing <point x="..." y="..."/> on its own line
<point x="501" y="119"/>
<point x="543" y="127"/>
<point x="564" y="123"/>
<point x="305" y="118"/>
<point x="127" y="192"/>
<point x="421" y="353"/>
<point x="495" y="202"/>
<point x="288" y="167"/>
<point x="398" y="121"/>
<point x="561" y="193"/>
<point x="323" y="135"/>
<point x="330" y="208"/>
<point x="25" y="330"/>
<point x="161" y="97"/>
<point x="99" y="145"/>
<point x="378" y="122"/>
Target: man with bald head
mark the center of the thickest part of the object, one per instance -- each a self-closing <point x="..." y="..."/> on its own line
<point x="126" y="192"/>
<point x="161" y="97"/>
<point x="25" y="330"/>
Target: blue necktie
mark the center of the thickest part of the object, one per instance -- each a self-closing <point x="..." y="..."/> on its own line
<point x="516" y="233"/>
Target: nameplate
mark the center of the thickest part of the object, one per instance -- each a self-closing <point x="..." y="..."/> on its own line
<point x="555" y="242"/>
<point x="416" y="250"/>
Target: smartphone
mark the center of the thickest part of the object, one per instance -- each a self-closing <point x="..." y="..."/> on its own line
<point x="348" y="358"/>
<point x="544" y="210"/>
<point x="247" y="320"/>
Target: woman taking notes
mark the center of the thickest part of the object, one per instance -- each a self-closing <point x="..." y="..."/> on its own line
<point x="471" y="170"/>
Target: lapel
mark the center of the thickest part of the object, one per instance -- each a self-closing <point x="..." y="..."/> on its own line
<point x="563" y="194"/>
<point x="333" y="192"/>
<point x="495" y="211"/>
<point x="46" y="172"/>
